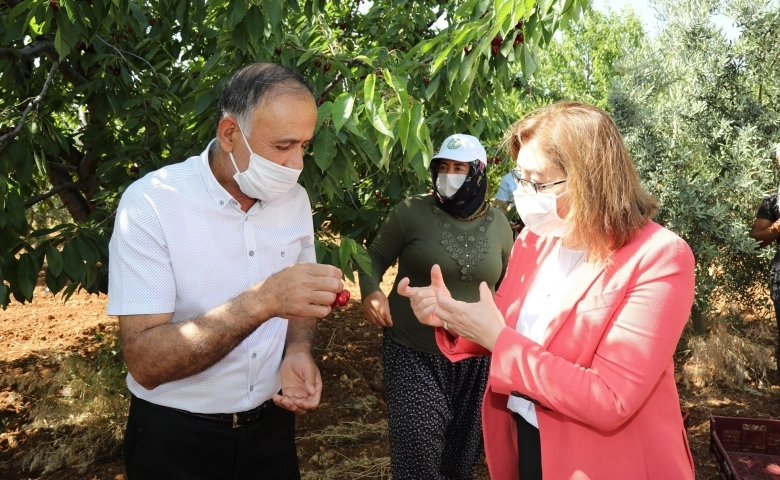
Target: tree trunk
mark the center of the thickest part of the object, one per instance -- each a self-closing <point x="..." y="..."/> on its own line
<point x="698" y="320"/>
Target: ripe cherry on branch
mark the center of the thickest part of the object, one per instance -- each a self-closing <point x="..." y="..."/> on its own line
<point x="426" y="80"/>
<point x="54" y="4"/>
<point x="326" y="68"/>
<point x="494" y="50"/>
<point x="519" y="38"/>
<point x="317" y="63"/>
<point x="497" y="41"/>
<point x="277" y="51"/>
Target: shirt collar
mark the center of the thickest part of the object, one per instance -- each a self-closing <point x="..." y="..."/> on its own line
<point x="218" y="193"/>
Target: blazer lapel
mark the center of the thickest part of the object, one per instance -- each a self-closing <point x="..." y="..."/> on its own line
<point x="532" y="258"/>
<point x="584" y="278"/>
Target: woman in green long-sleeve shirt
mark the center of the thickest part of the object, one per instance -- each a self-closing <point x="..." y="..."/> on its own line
<point x="457" y="229"/>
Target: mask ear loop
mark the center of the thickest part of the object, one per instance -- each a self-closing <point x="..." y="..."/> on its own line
<point x="241" y="131"/>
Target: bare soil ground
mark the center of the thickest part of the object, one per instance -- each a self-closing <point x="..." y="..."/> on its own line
<point x="345" y="438"/>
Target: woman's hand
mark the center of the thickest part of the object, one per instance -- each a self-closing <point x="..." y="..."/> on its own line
<point x="479" y="322"/>
<point x="423" y="299"/>
<point x="377" y="309"/>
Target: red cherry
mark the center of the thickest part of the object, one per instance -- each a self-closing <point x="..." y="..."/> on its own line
<point x="343" y="26"/>
<point x="519" y="25"/>
<point x="317" y="63"/>
<point x="152" y="21"/>
<point x="497" y="160"/>
<point x="326" y="68"/>
<point x="519" y="38"/>
<point x="278" y="51"/>
<point x="55" y="5"/>
<point x="426" y="80"/>
<point x="379" y="73"/>
<point x="341" y="299"/>
<point x="497" y="40"/>
<point x="134" y="168"/>
<point x="494" y="50"/>
<point x="384" y="201"/>
<point x="377" y="194"/>
<point x="467" y="49"/>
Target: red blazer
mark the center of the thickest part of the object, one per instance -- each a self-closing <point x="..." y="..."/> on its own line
<point x="603" y="379"/>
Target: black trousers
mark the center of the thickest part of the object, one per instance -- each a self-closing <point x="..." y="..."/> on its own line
<point x="529" y="448"/>
<point x="161" y="444"/>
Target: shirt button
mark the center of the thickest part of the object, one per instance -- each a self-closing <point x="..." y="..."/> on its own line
<point x="233" y="202"/>
<point x="251" y="253"/>
<point x="254" y="355"/>
<point x="221" y="202"/>
<point x="282" y="254"/>
<point x="251" y="387"/>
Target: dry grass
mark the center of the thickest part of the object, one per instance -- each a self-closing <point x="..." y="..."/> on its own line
<point x="726" y="358"/>
<point x="83" y="408"/>
<point x="349" y="433"/>
<point x="364" y="467"/>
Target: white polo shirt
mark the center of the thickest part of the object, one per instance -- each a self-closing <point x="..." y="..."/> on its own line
<point x="181" y="244"/>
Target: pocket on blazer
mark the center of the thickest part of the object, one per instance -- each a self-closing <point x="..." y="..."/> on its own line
<point x="599" y="301"/>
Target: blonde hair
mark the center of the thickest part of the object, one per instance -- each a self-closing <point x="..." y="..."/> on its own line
<point x="608" y="205"/>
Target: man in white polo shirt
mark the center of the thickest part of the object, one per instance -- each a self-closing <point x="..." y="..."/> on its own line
<point x="213" y="276"/>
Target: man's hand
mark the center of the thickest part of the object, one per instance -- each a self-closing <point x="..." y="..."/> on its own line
<point x="301" y="381"/>
<point x="377" y="309"/>
<point x="303" y="290"/>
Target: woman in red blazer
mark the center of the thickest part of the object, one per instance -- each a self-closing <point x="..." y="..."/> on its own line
<point x="583" y="328"/>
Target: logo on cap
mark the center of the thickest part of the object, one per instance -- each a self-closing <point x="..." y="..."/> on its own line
<point x="454" y="144"/>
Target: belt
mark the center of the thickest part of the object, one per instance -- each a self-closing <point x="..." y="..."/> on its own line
<point x="236" y="420"/>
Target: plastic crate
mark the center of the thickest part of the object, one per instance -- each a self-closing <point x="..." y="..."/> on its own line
<point x="745" y="448"/>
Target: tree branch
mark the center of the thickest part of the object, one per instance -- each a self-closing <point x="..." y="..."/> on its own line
<point x="339" y="76"/>
<point x="63" y="168"/>
<point x="5" y="140"/>
<point x="54" y="191"/>
<point x="38" y="47"/>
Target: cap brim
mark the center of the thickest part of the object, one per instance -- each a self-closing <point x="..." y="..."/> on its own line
<point x="450" y="155"/>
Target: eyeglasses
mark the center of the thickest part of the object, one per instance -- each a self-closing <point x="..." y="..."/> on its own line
<point x="528" y="185"/>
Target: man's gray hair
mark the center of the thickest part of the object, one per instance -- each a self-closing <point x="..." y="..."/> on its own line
<point x="249" y="87"/>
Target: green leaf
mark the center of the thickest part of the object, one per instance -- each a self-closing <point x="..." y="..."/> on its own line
<point x="365" y="59"/>
<point x="54" y="260"/>
<point x="342" y="109"/>
<point x="378" y="117"/>
<point x="398" y="84"/>
<point x="15" y="209"/>
<point x="61" y="44"/>
<point x="86" y="250"/>
<point x="362" y="259"/>
<point x="27" y="275"/>
<point x="325" y="148"/>
<point x="235" y="13"/>
<point x="72" y="263"/>
<point x="403" y="128"/>
<point x="346" y="248"/>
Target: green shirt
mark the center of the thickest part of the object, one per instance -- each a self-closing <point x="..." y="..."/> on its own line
<point x="418" y="234"/>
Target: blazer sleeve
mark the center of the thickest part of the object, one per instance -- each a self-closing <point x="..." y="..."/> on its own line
<point x="632" y="354"/>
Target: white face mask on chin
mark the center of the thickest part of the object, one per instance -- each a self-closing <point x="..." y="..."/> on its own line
<point x="539" y="213"/>
<point x="448" y="184"/>
<point x="264" y="179"/>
